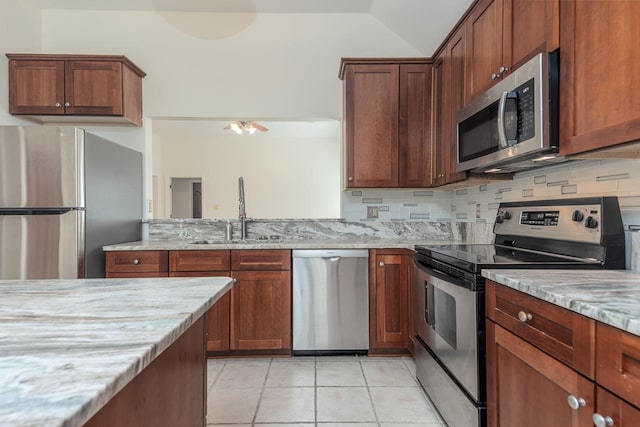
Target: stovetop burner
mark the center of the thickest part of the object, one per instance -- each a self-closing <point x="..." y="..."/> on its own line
<point x="474" y="257"/>
<point x="568" y="233"/>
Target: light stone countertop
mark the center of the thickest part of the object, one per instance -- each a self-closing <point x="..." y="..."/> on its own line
<point x="609" y="296"/>
<point x="68" y="346"/>
<point x="159" y="245"/>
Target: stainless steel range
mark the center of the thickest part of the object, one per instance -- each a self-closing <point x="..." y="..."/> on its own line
<point x="449" y="290"/>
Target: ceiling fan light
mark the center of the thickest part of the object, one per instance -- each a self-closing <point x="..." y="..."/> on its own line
<point x="251" y="129"/>
<point x="236" y="128"/>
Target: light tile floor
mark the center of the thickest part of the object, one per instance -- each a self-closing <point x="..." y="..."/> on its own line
<point x="332" y="391"/>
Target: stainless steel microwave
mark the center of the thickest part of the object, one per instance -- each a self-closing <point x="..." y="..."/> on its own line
<point x="514" y="125"/>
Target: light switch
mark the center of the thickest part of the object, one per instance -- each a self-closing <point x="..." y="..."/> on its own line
<point x="372" y="212"/>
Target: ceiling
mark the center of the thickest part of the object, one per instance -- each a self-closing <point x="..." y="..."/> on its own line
<point x="221" y="6"/>
<point x="421" y="23"/>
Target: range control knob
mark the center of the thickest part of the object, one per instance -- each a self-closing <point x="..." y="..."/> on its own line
<point x="499" y="218"/>
<point x="507" y="215"/>
<point x="577" y="216"/>
<point x="590" y="222"/>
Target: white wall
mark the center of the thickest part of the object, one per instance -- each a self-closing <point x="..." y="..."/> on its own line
<point x="229" y="65"/>
<point x="20" y="32"/>
<point x="286" y="176"/>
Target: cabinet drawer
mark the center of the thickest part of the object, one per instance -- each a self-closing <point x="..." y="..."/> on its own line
<point x="261" y="260"/>
<point x="199" y="260"/>
<point x="567" y="336"/>
<point x="618" y="356"/>
<point x="137" y="261"/>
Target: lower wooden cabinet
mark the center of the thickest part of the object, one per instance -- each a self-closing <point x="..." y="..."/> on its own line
<point x="528" y="388"/>
<point x="389" y="274"/>
<point x="537" y="371"/>
<point x="261" y="310"/>
<point x="256" y="315"/>
<point x="136" y="264"/>
<point x="619" y="412"/>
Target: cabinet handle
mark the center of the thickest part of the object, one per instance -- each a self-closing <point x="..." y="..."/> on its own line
<point x="524" y="317"/>
<point x="381" y="264"/>
<point x="350" y="179"/>
<point x="601" y="421"/>
<point x="576" y="402"/>
<point x="503" y="70"/>
<point x="58" y="105"/>
<point x="440" y="175"/>
<point x="235" y="280"/>
<point x="494" y="76"/>
<point x="67" y="104"/>
<point x="136" y="261"/>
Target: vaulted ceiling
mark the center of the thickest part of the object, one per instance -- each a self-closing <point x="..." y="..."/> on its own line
<point x="422" y="23"/>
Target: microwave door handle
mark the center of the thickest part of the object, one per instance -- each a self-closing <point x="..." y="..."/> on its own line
<point x="502" y="134"/>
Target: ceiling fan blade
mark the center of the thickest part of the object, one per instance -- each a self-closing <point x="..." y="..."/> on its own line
<point x="259" y="126"/>
<point x="227" y="127"/>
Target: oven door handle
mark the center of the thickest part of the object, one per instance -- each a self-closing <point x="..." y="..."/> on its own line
<point x="503" y="140"/>
<point x="429" y="307"/>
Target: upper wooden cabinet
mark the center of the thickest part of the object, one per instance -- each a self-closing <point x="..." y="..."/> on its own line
<point x="502" y="34"/>
<point x="96" y="88"/>
<point x="599" y="73"/>
<point x="387" y="122"/>
<point x="448" y="98"/>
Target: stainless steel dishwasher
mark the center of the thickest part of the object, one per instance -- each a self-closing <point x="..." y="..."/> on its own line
<point x="330" y="301"/>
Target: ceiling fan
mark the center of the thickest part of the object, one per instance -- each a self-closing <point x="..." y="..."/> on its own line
<point x="241" y="126"/>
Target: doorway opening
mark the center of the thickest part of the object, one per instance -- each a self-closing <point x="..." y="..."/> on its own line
<point x="186" y="197"/>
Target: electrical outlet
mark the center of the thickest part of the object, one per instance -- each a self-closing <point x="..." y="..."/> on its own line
<point x="372" y="212"/>
<point x="149" y="205"/>
<point x="478" y="210"/>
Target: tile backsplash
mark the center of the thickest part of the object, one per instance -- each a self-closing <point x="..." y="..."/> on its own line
<point x="472" y="210"/>
<point x="480" y="203"/>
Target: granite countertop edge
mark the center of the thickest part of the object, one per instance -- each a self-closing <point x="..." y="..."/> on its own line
<point x="89" y="403"/>
<point x="611" y="297"/>
<point x="159" y="245"/>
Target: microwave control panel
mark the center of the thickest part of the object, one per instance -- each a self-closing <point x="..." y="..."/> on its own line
<point x="526" y="110"/>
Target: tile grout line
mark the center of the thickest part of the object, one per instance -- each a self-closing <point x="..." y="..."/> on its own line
<point x="366" y="383"/>
<point x="264" y="384"/>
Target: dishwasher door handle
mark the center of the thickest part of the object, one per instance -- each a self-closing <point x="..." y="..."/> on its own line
<point x="332" y="258"/>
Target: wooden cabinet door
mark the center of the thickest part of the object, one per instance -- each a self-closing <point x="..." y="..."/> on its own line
<point x="93" y="88"/>
<point x="599" y="73"/>
<point x="261" y="310"/>
<point x="439" y="145"/>
<point x="414" y="126"/>
<point x="389" y="300"/>
<point x="618" y="362"/>
<point x="36" y="87"/>
<point x="371" y="125"/>
<point x="455" y="67"/>
<point x="218" y="316"/>
<point x="611" y="406"/>
<point x="218" y="324"/>
<point x="529" y="27"/>
<point x="528" y="388"/>
<point x="484" y="29"/>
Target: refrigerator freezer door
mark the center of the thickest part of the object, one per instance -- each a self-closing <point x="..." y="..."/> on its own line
<point x="41" y="166"/>
<point x="42" y="246"/>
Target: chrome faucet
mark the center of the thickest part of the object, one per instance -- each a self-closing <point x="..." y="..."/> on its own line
<point x="242" y="210"/>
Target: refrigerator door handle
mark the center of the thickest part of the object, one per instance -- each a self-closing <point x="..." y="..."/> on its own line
<point x="44" y="211"/>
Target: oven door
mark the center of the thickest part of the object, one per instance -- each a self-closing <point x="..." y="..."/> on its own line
<point x="448" y="320"/>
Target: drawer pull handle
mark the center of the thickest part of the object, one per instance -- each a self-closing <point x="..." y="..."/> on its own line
<point x="235" y="280"/>
<point x="576" y="402"/>
<point x="524" y="317"/>
<point x="381" y="264"/>
<point x="136" y="261"/>
<point x="601" y="421"/>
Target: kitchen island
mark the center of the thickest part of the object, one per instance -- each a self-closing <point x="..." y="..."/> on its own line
<point x="97" y="352"/>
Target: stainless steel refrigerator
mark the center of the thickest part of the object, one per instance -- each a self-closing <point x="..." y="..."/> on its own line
<point x="64" y="193"/>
